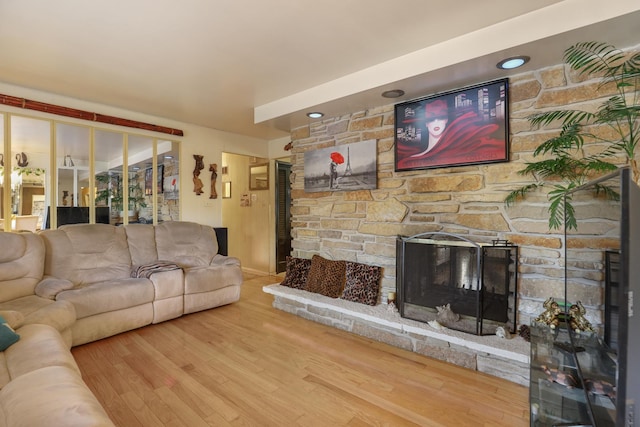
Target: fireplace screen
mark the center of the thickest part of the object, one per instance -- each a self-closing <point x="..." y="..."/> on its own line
<point x="477" y="282"/>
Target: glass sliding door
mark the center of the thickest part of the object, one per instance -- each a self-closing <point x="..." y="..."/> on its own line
<point x="65" y="173"/>
<point x="29" y="160"/>
<point x="140" y="178"/>
<point x="3" y="130"/>
<point x="109" y="194"/>
<point x="72" y="162"/>
<point x="168" y="159"/>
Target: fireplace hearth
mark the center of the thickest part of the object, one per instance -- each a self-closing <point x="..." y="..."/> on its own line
<point x="478" y="281"/>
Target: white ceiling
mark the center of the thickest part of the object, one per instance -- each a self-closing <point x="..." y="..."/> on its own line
<point x="254" y="67"/>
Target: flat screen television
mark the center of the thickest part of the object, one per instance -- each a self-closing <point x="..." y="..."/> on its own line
<point x="466" y="126"/>
<point x="602" y="270"/>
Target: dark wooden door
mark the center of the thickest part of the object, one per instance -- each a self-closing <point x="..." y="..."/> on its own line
<point x="283" y="215"/>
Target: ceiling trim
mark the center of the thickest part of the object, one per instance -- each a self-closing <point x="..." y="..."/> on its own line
<point x="558" y="18"/>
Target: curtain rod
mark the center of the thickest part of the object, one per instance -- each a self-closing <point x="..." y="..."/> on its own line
<point x="14" y="101"/>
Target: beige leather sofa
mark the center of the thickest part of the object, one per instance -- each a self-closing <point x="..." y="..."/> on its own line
<point x="74" y="285"/>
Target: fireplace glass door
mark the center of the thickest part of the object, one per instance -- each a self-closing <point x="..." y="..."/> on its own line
<point x="477" y="282"/>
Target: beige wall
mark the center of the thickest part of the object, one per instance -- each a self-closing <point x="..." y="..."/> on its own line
<point x="249" y="227"/>
<point x="362" y="225"/>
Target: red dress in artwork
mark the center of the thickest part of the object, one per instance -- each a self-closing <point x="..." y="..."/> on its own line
<point x="467" y="139"/>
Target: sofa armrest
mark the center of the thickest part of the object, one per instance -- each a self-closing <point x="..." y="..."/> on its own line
<point x="224" y="260"/>
<point x="15" y="319"/>
<point x="51" y="286"/>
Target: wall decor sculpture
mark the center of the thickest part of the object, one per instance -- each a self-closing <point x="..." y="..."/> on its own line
<point x="197" y="182"/>
<point x="214" y="175"/>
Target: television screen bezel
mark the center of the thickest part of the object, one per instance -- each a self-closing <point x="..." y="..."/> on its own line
<point x="418" y="121"/>
<point x="628" y="339"/>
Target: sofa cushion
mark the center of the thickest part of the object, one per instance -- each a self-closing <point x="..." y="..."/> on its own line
<point x="186" y="243"/>
<point x="51" y="396"/>
<point x="39" y="346"/>
<point x="8" y="336"/>
<point x="108" y="296"/>
<point x="210" y="278"/>
<point x="362" y="283"/>
<point x="87" y="253"/>
<point x="21" y="264"/>
<point x="297" y="272"/>
<point x="34" y="309"/>
<point x="141" y="239"/>
<point x="326" y="277"/>
<point x="15" y="319"/>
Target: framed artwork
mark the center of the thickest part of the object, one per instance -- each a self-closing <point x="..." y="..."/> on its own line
<point x="341" y="168"/>
<point x="148" y="180"/>
<point x="160" y="179"/>
<point x="172" y="187"/>
<point x="259" y="177"/>
<point x="226" y="190"/>
<point x="462" y="127"/>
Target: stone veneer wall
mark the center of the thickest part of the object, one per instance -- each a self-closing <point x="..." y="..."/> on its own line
<point x="362" y="225"/>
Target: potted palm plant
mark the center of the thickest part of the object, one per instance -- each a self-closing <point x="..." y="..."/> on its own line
<point x="110" y="193"/>
<point x="564" y="163"/>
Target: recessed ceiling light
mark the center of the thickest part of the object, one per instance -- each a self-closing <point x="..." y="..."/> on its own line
<point x="168" y="157"/>
<point x="394" y="93"/>
<point x="513" y="62"/>
<point x="315" y="115"/>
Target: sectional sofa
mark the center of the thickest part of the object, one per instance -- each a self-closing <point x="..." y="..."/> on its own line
<point x="83" y="282"/>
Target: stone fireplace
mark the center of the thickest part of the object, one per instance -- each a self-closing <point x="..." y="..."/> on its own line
<point x="503" y="358"/>
<point x="363" y="225"/>
<point x="477" y="282"/>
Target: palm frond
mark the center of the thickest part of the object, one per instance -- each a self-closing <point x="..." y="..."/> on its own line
<point x="598" y="166"/>
<point x="566" y="162"/>
<point x="626" y="70"/>
<point x="592" y="57"/>
<point x="570" y="221"/>
<point x="569" y="140"/>
<point x="565" y="117"/>
<point x="607" y="191"/>
<point x="615" y="109"/>
<point x="520" y="193"/>
<point x="556" y="209"/>
<point x="558" y="167"/>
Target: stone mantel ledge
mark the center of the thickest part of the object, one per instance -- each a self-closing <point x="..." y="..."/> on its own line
<point x="515" y="349"/>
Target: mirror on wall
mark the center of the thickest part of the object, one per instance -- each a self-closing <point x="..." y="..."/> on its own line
<point x="259" y="177"/>
<point x="226" y="190"/>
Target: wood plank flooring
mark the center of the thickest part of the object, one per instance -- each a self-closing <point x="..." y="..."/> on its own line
<point x="248" y="364"/>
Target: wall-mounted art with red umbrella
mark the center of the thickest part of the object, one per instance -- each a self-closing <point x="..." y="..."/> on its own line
<point x="336" y="157"/>
<point x="341" y="167"/>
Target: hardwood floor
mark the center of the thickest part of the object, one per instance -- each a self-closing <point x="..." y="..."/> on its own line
<point x="248" y="364"/>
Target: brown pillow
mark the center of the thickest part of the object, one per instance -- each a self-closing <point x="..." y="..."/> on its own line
<point x="296" y="273"/>
<point x="326" y="277"/>
<point x="361" y="283"/>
